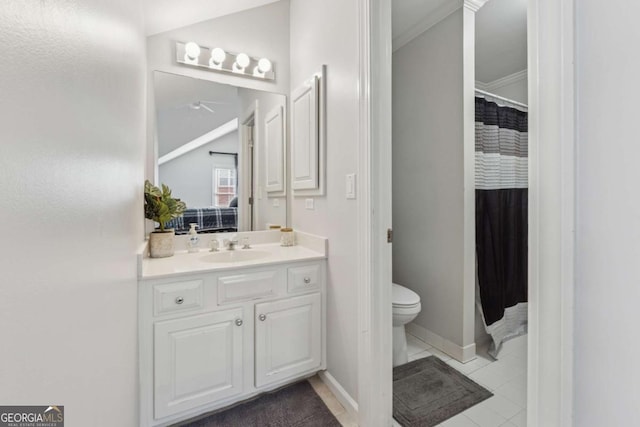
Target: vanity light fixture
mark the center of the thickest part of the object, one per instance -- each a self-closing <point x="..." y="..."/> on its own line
<point x="264" y="66"/>
<point x="191" y="53"/>
<point x="242" y="62"/>
<point x="219" y="60"/>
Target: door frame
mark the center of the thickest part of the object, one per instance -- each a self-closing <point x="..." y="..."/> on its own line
<point x="247" y="214"/>
<point x="374" y="213"/>
<point x="552" y="153"/>
<point x="552" y="211"/>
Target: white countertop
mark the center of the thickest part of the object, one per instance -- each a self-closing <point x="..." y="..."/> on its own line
<point x="183" y="262"/>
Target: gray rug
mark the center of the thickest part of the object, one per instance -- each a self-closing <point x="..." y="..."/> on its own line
<point x="427" y="392"/>
<point x="296" y="405"/>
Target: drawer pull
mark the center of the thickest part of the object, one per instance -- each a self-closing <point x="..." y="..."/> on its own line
<point x="307" y="280"/>
<point x="262" y="317"/>
<point x="238" y="322"/>
<point x="179" y="300"/>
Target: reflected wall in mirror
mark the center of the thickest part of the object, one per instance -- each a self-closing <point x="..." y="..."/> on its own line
<point x="220" y="148"/>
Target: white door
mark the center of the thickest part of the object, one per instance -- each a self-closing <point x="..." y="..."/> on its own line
<point x="288" y="338"/>
<point x="197" y="360"/>
<point x="274" y="150"/>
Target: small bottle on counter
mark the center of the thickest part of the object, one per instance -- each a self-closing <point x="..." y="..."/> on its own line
<point x="194" y="240"/>
<point x="286" y="237"/>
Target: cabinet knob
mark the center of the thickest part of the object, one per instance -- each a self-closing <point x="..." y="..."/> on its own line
<point x="307" y="280"/>
<point x="179" y="300"/>
<point x="238" y="322"/>
<point x="262" y="317"/>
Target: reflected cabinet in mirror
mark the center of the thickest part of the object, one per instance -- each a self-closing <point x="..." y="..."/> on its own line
<point x="222" y="150"/>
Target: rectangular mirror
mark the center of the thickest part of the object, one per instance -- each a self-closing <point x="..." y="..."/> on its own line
<point x="222" y="150"/>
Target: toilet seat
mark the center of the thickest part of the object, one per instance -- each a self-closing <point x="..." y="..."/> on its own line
<point x="403" y="297"/>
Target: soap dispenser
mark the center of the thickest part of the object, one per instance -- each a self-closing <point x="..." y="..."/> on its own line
<point x="194" y="240"/>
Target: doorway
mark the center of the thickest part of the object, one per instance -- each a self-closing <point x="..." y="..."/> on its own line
<point x="551" y="53"/>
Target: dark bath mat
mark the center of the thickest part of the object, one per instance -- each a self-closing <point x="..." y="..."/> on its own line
<point x="296" y="405"/>
<point x="427" y="392"/>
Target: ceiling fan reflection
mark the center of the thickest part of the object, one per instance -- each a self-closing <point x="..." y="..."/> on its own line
<point x="204" y="105"/>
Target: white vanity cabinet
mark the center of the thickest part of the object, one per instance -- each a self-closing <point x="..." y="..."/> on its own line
<point x="197" y="359"/>
<point x="211" y="339"/>
<point x="286" y="340"/>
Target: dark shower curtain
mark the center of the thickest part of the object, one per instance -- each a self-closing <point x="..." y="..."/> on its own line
<point x="501" y="218"/>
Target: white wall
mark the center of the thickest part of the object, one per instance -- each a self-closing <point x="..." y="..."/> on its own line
<point x="260" y="32"/>
<point x="429" y="179"/>
<point x="190" y="176"/>
<point x="71" y="172"/>
<point x="326" y="32"/>
<point x="607" y="290"/>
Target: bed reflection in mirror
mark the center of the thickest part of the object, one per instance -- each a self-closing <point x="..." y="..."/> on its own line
<point x="222" y="150"/>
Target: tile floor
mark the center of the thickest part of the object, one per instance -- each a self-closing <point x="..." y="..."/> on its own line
<point x="338" y="411"/>
<point x="506" y="378"/>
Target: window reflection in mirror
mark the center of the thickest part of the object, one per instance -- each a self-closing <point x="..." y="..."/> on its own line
<point x="212" y="153"/>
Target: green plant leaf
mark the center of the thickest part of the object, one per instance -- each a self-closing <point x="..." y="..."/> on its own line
<point x="159" y="206"/>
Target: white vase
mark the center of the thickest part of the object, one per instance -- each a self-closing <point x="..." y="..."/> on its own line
<point x="161" y="243"/>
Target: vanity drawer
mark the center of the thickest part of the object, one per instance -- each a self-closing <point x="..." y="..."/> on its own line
<point x="303" y="278"/>
<point x="243" y="287"/>
<point x="178" y="296"/>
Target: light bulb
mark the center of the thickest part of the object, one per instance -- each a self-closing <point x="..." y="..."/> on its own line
<point x="192" y="51"/>
<point x="242" y="60"/>
<point x="218" y="55"/>
<point x="264" y="65"/>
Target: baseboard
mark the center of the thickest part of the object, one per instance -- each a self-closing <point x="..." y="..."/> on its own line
<point x="460" y="353"/>
<point x="340" y="393"/>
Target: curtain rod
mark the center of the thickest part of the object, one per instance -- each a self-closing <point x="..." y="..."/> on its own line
<point x="211" y="153"/>
<point x="501" y="98"/>
<point x="235" y="156"/>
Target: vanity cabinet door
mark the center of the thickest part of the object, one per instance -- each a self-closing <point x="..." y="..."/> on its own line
<point x="197" y="360"/>
<point x="288" y="338"/>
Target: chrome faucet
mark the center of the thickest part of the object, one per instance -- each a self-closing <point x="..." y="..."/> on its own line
<point x="230" y="244"/>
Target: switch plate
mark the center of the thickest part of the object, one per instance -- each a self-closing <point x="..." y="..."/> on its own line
<point x="276" y="203"/>
<point x="308" y="204"/>
<point x="351" y="186"/>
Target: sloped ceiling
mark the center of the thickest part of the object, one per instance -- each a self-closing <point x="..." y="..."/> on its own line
<point x="165" y="15"/>
<point x="177" y="123"/>
<point x="407" y="14"/>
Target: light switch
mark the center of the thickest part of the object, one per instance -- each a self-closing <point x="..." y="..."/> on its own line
<point x="308" y="204"/>
<point x="276" y="203"/>
<point x="351" y="186"/>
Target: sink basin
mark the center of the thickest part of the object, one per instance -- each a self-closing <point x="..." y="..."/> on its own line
<point x="235" y="256"/>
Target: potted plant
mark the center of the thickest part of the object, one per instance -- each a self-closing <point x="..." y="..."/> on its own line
<point x="160" y="207"/>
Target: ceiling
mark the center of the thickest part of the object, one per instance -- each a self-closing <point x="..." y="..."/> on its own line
<point x="165" y="15"/>
<point x="501" y="39"/>
<point x="501" y="32"/>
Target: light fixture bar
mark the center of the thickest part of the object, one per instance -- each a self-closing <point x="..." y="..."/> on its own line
<point x="208" y="137"/>
<point x="219" y="60"/>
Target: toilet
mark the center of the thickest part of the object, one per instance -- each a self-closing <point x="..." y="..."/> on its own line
<point x="406" y="306"/>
